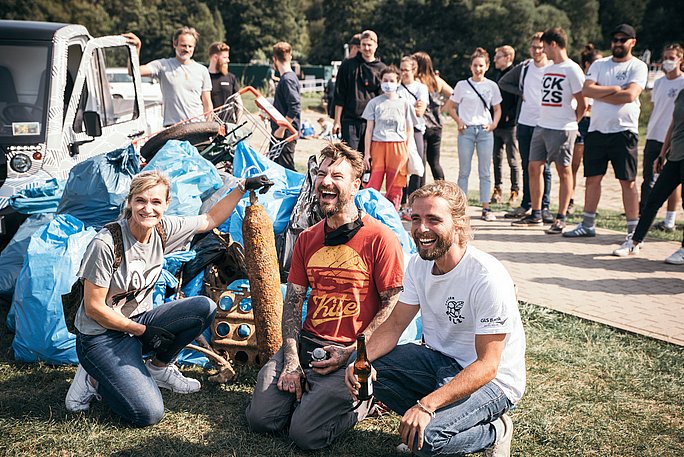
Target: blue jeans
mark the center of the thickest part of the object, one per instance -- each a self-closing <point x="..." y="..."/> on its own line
<point x="115" y="359"/>
<point x="410" y="372"/>
<point x="524" y="134"/>
<point x="471" y="137"/>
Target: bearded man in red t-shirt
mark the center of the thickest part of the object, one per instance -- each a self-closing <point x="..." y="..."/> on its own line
<point x="354" y="267"/>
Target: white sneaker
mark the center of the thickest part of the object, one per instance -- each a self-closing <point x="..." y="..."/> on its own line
<point x="627" y="248"/>
<point x="170" y="377"/>
<point x="502" y="446"/>
<point x="677" y="258"/>
<point x="81" y="392"/>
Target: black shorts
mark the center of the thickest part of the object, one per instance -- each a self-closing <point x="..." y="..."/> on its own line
<point x="621" y="149"/>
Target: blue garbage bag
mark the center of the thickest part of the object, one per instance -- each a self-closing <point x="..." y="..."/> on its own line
<point x="97" y="188"/>
<point x="279" y="200"/>
<point x="167" y="279"/>
<point x="39" y="200"/>
<point x="12" y="257"/>
<point x="186" y="356"/>
<point x="376" y="205"/>
<point x="192" y="176"/>
<point x="52" y="261"/>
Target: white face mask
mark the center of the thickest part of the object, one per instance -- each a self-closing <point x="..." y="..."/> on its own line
<point x="389" y="87"/>
<point x="669" y="65"/>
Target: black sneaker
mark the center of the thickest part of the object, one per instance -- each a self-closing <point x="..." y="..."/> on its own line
<point x="661" y="226"/>
<point x="516" y="213"/>
<point x="527" y="221"/>
<point x="547" y="217"/>
<point x="556" y="228"/>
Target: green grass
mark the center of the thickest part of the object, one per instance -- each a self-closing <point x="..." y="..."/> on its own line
<point x="592" y="390"/>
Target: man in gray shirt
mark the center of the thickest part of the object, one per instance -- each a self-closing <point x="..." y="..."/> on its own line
<point x="185" y="84"/>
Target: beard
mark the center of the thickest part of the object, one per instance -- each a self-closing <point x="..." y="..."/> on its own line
<point x="442" y="245"/>
<point x="331" y="209"/>
<point x="223" y="68"/>
<point x="619" y="52"/>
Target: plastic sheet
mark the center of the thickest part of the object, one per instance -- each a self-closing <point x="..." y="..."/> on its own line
<point x="38" y="200"/>
<point x="97" y="187"/>
<point x="192" y="176"/>
<point x="53" y="258"/>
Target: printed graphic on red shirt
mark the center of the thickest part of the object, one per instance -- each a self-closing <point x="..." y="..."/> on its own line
<point x="552" y="89"/>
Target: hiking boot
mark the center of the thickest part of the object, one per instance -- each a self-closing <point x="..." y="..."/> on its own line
<point x="488" y="215"/>
<point x="677" y="257"/>
<point x="547" y="217"/>
<point x="629" y="247"/>
<point x="170" y="377"/>
<point x="502" y="445"/>
<point x="527" y="221"/>
<point x="497" y="197"/>
<point x="81" y="392"/>
<point x="663" y="227"/>
<point x="580" y="231"/>
<point x="556" y="228"/>
<point x="513" y="198"/>
<point x="516" y="213"/>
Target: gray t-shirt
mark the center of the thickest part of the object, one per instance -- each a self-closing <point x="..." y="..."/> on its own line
<point x="182" y="87"/>
<point x="131" y="287"/>
<point x="677" y="141"/>
<point x="391" y="117"/>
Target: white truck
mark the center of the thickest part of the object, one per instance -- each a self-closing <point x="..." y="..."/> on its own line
<point x="56" y="107"/>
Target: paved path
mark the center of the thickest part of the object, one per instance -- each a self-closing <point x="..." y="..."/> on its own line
<point x="580" y="277"/>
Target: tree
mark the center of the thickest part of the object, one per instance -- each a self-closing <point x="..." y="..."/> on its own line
<point x="583" y="16"/>
<point x="664" y="24"/>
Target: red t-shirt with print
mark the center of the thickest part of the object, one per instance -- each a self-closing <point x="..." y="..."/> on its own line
<point x="345" y="280"/>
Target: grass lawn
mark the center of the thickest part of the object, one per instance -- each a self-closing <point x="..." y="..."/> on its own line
<point x="592" y="390"/>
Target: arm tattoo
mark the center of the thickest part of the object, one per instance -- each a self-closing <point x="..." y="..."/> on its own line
<point x="388" y="299"/>
<point x="292" y="319"/>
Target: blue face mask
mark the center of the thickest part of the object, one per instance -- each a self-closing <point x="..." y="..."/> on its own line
<point x="389" y="87"/>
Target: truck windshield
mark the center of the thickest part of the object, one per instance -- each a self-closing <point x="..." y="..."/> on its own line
<point x="23" y="90"/>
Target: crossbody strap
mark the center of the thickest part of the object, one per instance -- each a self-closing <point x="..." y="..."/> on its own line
<point x="478" y="94"/>
<point x="407" y="90"/>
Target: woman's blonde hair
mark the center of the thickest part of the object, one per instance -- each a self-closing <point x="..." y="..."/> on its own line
<point x="142" y="182"/>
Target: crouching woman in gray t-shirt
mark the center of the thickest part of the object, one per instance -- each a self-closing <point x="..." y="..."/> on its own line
<point x="116" y="323"/>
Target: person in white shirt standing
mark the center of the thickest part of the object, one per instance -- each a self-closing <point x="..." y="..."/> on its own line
<point x="453" y="390"/>
<point x="478" y="102"/>
<point x="615" y="84"/>
<point x="562" y="106"/>
<point x="665" y="91"/>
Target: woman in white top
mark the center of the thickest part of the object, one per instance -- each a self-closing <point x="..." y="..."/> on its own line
<point x="416" y="93"/>
<point x="475" y="105"/>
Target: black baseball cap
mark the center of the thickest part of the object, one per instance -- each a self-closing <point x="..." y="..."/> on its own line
<point x="625" y="29"/>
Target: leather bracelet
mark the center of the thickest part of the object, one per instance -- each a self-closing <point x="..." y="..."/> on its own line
<point x="421" y="406"/>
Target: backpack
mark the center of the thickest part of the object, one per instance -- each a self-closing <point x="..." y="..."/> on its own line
<point x="72" y="300"/>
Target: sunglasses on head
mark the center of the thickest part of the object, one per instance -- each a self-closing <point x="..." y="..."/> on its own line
<point x="621" y="39"/>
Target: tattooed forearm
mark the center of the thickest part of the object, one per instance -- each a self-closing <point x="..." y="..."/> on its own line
<point x="388" y="299"/>
<point x="292" y="319"/>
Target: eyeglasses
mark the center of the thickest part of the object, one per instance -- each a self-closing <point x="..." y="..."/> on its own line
<point x="499" y="57"/>
<point x="537" y="48"/>
<point x="621" y="40"/>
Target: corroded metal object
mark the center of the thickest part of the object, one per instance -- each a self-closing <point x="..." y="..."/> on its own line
<point x="264" y="277"/>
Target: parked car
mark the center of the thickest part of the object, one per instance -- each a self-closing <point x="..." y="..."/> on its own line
<point x="121" y="87"/>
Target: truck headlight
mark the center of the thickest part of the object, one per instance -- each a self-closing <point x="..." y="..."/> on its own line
<point x="21" y="163"/>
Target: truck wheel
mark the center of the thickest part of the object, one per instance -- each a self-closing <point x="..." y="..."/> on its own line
<point x="194" y="132"/>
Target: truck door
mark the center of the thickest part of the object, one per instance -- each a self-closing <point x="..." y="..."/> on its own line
<point x="122" y="120"/>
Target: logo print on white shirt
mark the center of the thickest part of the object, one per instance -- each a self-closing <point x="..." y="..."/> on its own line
<point x="453" y="310"/>
<point x="552" y="89"/>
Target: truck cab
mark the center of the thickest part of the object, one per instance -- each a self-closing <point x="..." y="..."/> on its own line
<point x="56" y="106"/>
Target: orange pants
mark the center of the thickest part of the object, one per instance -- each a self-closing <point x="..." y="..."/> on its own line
<point x="388" y="162"/>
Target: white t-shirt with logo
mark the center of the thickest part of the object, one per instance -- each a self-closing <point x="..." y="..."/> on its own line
<point x="477" y="297"/>
<point x="529" y="110"/>
<point x="610" y="118"/>
<point x="664" y="93"/>
<point x="471" y="110"/>
<point x="560" y="83"/>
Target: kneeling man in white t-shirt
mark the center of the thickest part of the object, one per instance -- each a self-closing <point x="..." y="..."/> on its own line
<point x="453" y="390"/>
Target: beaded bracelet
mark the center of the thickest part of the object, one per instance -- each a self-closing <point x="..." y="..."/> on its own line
<point x="421" y="406"/>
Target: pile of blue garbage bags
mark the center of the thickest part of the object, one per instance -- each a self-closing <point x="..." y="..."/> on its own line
<point x="40" y="264"/>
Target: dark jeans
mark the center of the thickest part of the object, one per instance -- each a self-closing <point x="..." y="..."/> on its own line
<point x="115" y="359"/>
<point x="524" y="134"/>
<point x="432" y="139"/>
<point x="651" y="152"/>
<point x="670" y="177"/>
<point x="353" y="133"/>
<point x="415" y="181"/>
<point x="411" y="371"/>
<point x="506" y="143"/>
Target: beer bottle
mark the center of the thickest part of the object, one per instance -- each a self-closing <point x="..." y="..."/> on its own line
<point x="362" y="369"/>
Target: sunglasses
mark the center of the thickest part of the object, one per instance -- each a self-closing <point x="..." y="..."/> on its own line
<point x="621" y="40"/>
